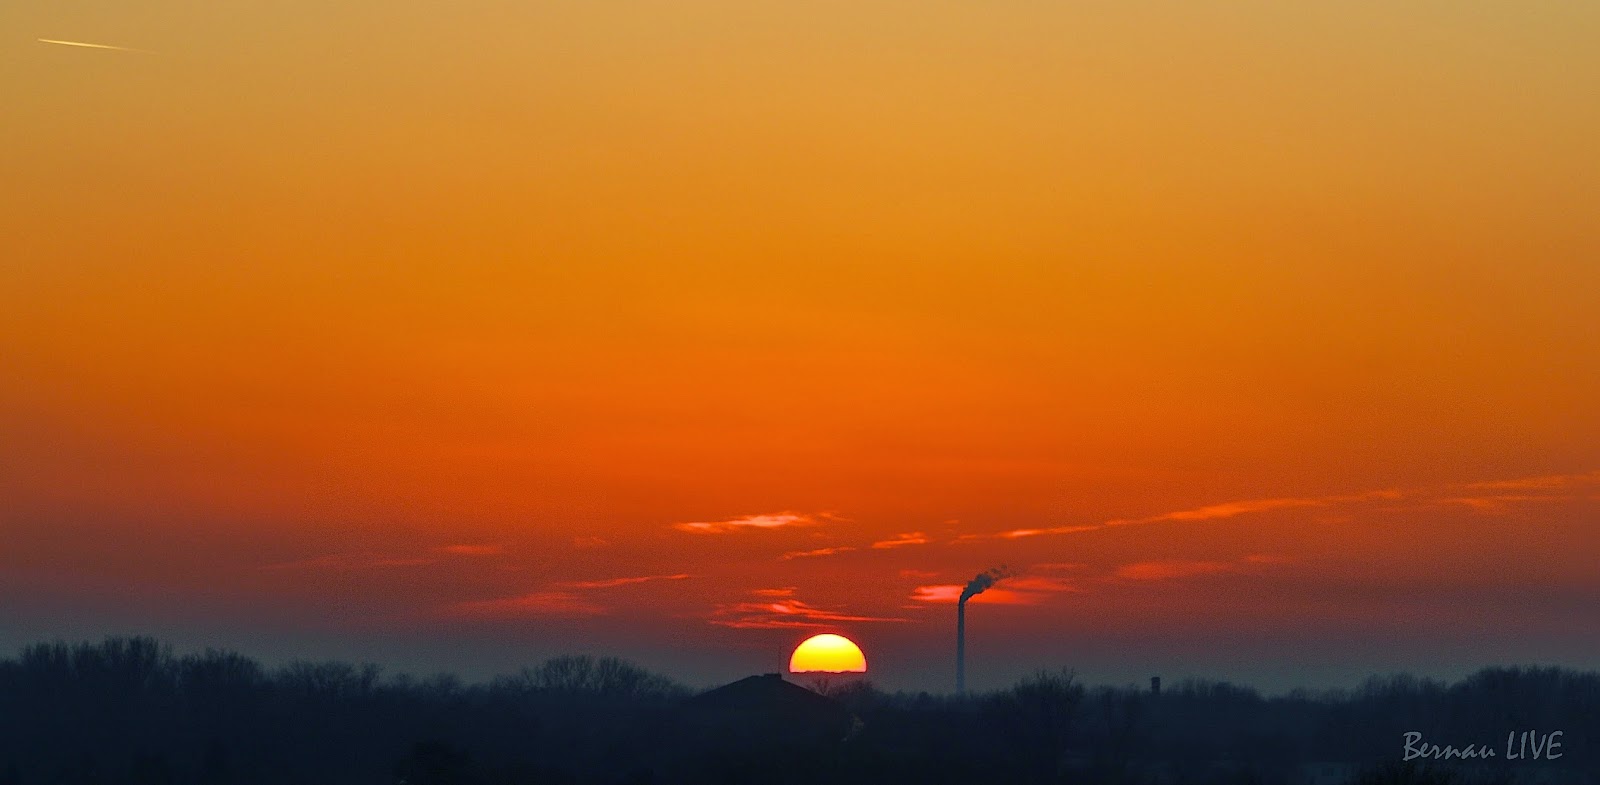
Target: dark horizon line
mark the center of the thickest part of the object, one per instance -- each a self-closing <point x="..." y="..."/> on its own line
<point x="392" y="675"/>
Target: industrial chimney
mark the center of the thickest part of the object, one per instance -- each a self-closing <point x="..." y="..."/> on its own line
<point x="961" y="646"/>
<point x="974" y="587"/>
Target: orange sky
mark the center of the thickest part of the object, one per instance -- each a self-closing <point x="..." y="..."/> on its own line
<point x="390" y="328"/>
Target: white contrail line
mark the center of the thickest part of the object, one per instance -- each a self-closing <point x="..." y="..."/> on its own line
<point x="93" y="46"/>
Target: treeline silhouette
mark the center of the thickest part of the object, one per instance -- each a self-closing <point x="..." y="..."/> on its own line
<point x="127" y="710"/>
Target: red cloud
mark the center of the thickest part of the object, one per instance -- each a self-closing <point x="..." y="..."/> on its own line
<point x="1462" y="494"/>
<point x="1163" y="570"/>
<point x="344" y="561"/>
<point x="774" y="520"/>
<point x="912" y="538"/>
<point x="1540" y="483"/>
<point x="473" y="550"/>
<point x="817" y="552"/>
<point x="782" y="613"/>
<point x="608" y="583"/>
<point x="951" y="592"/>
<point x="1019" y="533"/>
<point x="1038" y="584"/>
<point x="1057" y="566"/>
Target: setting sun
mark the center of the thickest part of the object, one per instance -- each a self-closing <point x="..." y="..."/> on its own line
<point x="828" y="654"/>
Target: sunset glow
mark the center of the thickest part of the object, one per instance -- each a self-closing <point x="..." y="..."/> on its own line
<point x="1257" y="338"/>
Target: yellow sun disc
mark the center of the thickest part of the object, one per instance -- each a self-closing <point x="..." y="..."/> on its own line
<point x="828" y="654"/>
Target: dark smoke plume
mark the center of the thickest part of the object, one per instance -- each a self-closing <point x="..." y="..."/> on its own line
<point x="975" y="586"/>
<point x="984" y="581"/>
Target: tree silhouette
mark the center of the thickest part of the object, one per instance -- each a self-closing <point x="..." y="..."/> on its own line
<point x="125" y="711"/>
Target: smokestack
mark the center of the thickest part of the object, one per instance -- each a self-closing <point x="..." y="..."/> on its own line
<point x="975" y="587"/>
<point x="961" y="647"/>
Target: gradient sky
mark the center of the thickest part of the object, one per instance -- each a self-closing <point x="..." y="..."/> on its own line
<point x="1257" y="337"/>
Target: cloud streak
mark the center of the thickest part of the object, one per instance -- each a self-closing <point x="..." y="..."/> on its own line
<point x="473" y="550"/>
<point x="347" y="561"/>
<point x="950" y="593"/>
<point x="816" y="552"/>
<point x="1019" y="533"/>
<point x="1016" y="590"/>
<point x="1458" y="494"/>
<point x="1034" y="588"/>
<point x="1543" y="483"/>
<point x="1171" y="568"/>
<point x="559" y="599"/>
<point x="611" y="583"/>
<point x="1212" y="512"/>
<point x="776" y="520"/>
<point x="902" y="540"/>
<point x="785" y="612"/>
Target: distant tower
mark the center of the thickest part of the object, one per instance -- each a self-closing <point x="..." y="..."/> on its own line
<point x="961" y="647"/>
<point x="974" y="587"/>
<point x="1155" y="685"/>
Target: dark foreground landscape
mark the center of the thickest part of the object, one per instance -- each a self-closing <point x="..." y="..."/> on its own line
<point x="128" y="711"/>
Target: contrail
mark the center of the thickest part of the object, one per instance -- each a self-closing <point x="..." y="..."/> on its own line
<point x="94" y="46"/>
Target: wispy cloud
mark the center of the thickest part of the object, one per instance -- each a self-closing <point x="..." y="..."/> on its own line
<point x="348" y="561"/>
<point x="1170" y="568"/>
<point x="1493" y="504"/>
<point x="918" y="574"/>
<point x="1212" y="512"/>
<point x="473" y="550"/>
<point x="767" y="623"/>
<point x="776" y="520"/>
<point x="1014" y="534"/>
<point x="782" y="591"/>
<point x="566" y="598"/>
<point x="785" y="612"/>
<point x="590" y="542"/>
<point x="1459" y="494"/>
<point x="911" y="538"/>
<point x="1013" y="590"/>
<point x="816" y="552"/>
<point x="610" y="583"/>
<point x="1040" y="584"/>
<point x="950" y="593"/>
<point x="539" y="603"/>
<point x="943" y="592"/>
<point x="1057" y="566"/>
<point x="1546" y="482"/>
